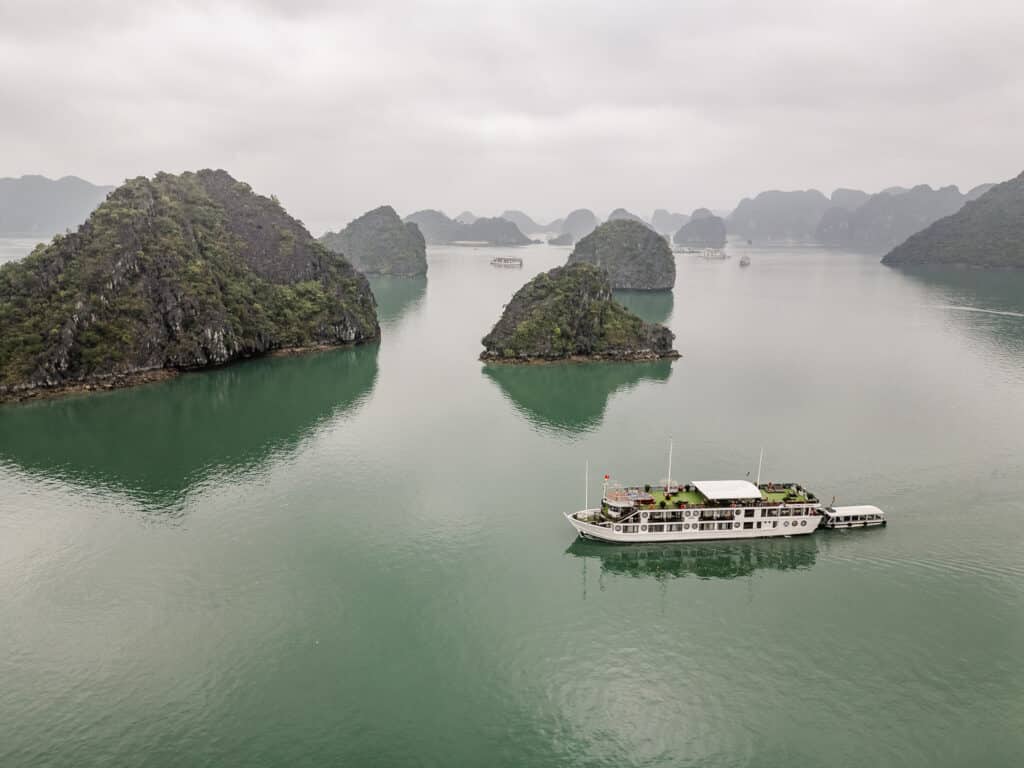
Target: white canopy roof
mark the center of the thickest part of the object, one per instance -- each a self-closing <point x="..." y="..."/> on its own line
<point x="719" y="490"/>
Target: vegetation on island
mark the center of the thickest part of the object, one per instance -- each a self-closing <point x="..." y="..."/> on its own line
<point x="174" y="272"/>
<point x="569" y="312"/>
<point x="986" y="232"/>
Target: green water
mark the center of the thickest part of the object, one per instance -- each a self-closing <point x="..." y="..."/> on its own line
<point x="358" y="557"/>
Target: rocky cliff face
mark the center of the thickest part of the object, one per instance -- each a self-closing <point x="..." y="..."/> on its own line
<point x="41" y="207"/>
<point x="570" y="312"/>
<point x="703" y="230"/>
<point x="380" y="243"/>
<point x="783" y="216"/>
<point x="987" y="232"/>
<point x="174" y="272"/>
<point x="637" y="258"/>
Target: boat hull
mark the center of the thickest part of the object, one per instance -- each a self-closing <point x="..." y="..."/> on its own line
<point x="796" y="526"/>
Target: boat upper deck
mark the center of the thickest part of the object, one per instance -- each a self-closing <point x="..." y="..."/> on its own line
<point x="710" y="494"/>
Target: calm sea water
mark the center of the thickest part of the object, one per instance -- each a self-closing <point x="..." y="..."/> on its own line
<point x="358" y="557"/>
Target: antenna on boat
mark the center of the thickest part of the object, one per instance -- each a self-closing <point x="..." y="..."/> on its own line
<point x="586" y="487"/>
<point x="759" y="460"/>
<point x="668" y="478"/>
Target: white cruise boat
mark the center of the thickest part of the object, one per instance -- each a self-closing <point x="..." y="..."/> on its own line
<point x="703" y="510"/>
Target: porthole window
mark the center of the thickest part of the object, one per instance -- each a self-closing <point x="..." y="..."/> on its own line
<point x="803" y="522"/>
<point x="618" y="528"/>
<point x="643" y="527"/>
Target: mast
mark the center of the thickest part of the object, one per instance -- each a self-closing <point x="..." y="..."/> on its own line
<point x="759" y="460"/>
<point x="586" y="486"/>
<point x="668" y="478"/>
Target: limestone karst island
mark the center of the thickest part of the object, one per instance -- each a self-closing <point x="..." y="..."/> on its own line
<point x="173" y="273"/>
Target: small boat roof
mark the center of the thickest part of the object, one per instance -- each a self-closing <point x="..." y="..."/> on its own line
<point x="719" y="490"/>
<point x="857" y="509"/>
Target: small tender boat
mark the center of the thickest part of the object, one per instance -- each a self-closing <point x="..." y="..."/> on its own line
<point x="744" y="261"/>
<point x="506" y="261"/>
<point x="859" y="516"/>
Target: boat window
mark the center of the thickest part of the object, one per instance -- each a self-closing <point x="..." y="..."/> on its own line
<point x="748" y="526"/>
<point x="748" y="513"/>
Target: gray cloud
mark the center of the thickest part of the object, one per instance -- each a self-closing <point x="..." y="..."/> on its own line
<point x="544" y="106"/>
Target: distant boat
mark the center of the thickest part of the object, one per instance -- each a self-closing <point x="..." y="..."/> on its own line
<point x="713" y="254"/>
<point x="506" y="261"/>
<point x="744" y="261"/>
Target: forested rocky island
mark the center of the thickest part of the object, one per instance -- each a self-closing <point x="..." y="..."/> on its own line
<point x="703" y="230"/>
<point x="569" y="313"/>
<point x="173" y="273"/>
<point x="987" y="232"/>
<point x="637" y="258"/>
<point x="380" y="243"/>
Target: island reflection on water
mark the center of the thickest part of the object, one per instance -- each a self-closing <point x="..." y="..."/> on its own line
<point x="703" y="559"/>
<point x="157" y="442"/>
<point x="570" y="398"/>
<point x="651" y="306"/>
<point x="396" y="295"/>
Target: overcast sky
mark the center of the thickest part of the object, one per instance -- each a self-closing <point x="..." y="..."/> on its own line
<point x="544" y="106"/>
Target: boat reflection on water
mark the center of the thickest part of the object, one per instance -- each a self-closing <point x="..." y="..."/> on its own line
<point x="704" y="560"/>
<point x="651" y="306"/>
<point x="396" y="295"/>
<point x="570" y="398"/>
<point x="157" y="442"/>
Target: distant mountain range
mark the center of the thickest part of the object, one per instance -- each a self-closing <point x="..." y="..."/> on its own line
<point x="779" y="216"/>
<point x="888" y="218"/>
<point x="985" y="232"/>
<point x="35" y="206"/>
<point x="438" y="229"/>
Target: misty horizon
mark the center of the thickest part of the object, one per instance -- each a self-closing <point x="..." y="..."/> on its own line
<point x="544" y="109"/>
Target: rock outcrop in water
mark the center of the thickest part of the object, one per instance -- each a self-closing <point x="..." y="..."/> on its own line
<point x="380" y="243"/>
<point x="438" y="229"/>
<point x="637" y="258"/>
<point x="569" y="312"/>
<point x="987" y="232"/>
<point x="466" y="217"/>
<point x="173" y="273"/>
<point x="563" y="239"/>
<point x="779" y="216"/>
<point x="41" y="207"/>
<point x="703" y="230"/>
